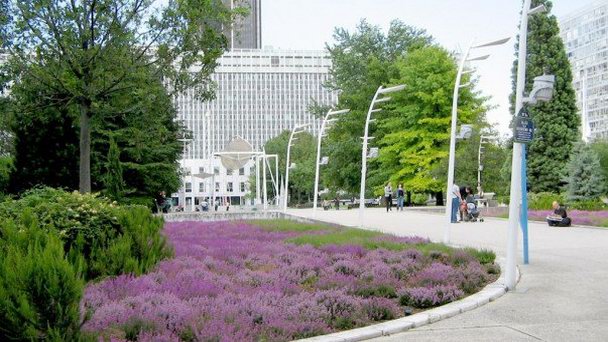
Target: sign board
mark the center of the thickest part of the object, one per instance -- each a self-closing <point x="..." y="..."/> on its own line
<point x="523" y="129"/>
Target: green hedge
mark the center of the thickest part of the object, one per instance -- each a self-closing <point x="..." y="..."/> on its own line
<point x="94" y="227"/>
<point x="51" y="243"/>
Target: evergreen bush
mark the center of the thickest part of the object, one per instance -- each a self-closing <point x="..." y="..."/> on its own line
<point x="111" y="239"/>
<point x="40" y="290"/>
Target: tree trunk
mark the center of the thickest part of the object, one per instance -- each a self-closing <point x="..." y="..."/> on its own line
<point x="439" y="198"/>
<point x="85" y="149"/>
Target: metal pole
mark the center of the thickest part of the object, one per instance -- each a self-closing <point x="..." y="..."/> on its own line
<point x="452" y="159"/>
<point x="316" y="192"/>
<point x="257" y="179"/>
<point x="479" y="163"/>
<point x="364" y="157"/>
<point x="524" y="207"/>
<point x="278" y="182"/>
<point x="264" y="190"/>
<point x="286" y="192"/>
<point x="516" y="179"/>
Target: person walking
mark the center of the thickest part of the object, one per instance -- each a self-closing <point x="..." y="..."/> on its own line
<point x="456" y="199"/>
<point x="400" y="197"/>
<point x="388" y="197"/>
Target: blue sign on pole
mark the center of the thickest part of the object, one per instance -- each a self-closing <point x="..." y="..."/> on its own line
<point x="523" y="130"/>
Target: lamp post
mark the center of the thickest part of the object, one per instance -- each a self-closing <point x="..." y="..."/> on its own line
<point x="376" y="100"/>
<point x="452" y="158"/>
<point x="184" y="141"/>
<point x="327" y="120"/>
<point x="516" y="167"/>
<point x="296" y="130"/>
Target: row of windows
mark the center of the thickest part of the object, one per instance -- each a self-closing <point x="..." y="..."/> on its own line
<point x="202" y="187"/>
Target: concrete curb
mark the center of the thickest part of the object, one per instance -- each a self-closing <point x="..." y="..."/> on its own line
<point x="488" y="294"/>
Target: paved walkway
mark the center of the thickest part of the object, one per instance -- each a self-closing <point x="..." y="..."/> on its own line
<point x="562" y="295"/>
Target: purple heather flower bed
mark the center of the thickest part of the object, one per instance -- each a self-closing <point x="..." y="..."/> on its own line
<point x="579" y="217"/>
<point x="232" y="281"/>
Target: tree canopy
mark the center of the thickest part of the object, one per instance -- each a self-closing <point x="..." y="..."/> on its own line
<point x="87" y="51"/>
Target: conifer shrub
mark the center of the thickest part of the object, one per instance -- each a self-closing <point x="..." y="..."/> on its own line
<point x="40" y="289"/>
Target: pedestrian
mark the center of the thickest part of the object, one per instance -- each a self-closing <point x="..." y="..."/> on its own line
<point x="227" y="203"/>
<point x="559" y="218"/>
<point x="337" y="203"/>
<point x="461" y="205"/>
<point x="456" y="199"/>
<point x="400" y="197"/>
<point x="388" y="197"/>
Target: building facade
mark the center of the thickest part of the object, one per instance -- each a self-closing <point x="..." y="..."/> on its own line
<point x="260" y="93"/>
<point x="246" y="33"/>
<point x="585" y="36"/>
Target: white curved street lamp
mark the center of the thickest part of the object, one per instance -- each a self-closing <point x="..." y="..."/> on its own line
<point x="296" y="130"/>
<point x="376" y="100"/>
<point x="517" y="160"/>
<point x="452" y="158"/>
<point x="327" y="120"/>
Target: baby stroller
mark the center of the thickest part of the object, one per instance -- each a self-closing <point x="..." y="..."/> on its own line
<point x="472" y="214"/>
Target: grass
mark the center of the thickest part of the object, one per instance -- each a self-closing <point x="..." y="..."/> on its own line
<point x="344" y="236"/>
<point x="283" y="225"/>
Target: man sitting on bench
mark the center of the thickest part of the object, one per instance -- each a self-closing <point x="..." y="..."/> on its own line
<point x="559" y="218"/>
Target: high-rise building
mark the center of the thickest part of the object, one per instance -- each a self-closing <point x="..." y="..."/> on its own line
<point x="260" y="93"/>
<point x="246" y="32"/>
<point x="585" y="35"/>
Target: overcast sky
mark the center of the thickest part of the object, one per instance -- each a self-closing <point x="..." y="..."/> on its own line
<point x="309" y="24"/>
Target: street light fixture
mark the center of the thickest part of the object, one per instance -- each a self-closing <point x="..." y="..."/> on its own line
<point x="518" y="161"/>
<point x="296" y="130"/>
<point x="376" y="100"/>
<point x="452" y="157"/>
<point x="327" y="120"/>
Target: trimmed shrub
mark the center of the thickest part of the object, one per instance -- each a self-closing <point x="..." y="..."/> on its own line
<point x="111" y="239"/>
<point x="40" y="290"/>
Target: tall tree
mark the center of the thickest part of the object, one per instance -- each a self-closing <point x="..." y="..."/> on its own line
<point x="557" y="122"/>
<point x="361" y="61"/>
<point x="585" y="177"/>
<point x="87" y="49"/>
<point x="303" y="154"/>
<point x="414" y="134"/>
<point x="141" y="119"/>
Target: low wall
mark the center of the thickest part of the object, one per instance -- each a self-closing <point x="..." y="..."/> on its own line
<point x="214" y="216"/>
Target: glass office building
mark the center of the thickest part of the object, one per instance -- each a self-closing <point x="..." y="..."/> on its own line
<point x="585" y="36"/>
<point x="260" y="93"/>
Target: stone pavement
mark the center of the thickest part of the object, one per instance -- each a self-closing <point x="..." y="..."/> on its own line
<point x="562" y="294"/>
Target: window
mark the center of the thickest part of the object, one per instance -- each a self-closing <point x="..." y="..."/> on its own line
<point x="188" y="187"/>
<point x="201" y="187"/>
<point x="229" y="172"/>
<point x="229" y="187"/>
<point x="242" y="171"/>
<point x="243" y="188"/>
<point x="201" y="170"/>
<point x="186" y="171"/>
<point x="216" y="170"/>
<point x="217" y="187"/>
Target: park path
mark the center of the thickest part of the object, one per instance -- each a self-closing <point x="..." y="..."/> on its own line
<point x="562" y="294"/>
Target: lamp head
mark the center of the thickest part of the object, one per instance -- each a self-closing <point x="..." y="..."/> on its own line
<point x="465" y="131"/>
<point x="542" y="91"/>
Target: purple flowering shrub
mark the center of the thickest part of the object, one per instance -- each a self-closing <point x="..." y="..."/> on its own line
<point x="234" y="281"/>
